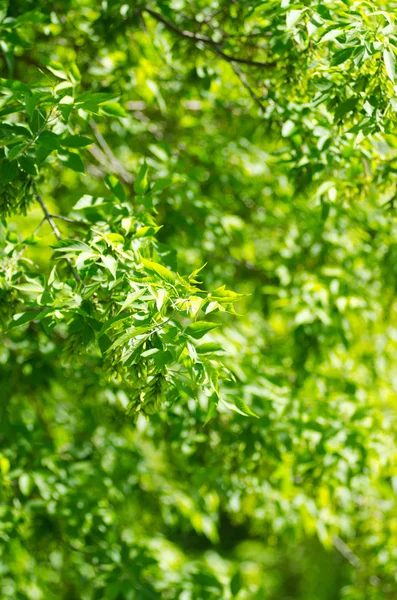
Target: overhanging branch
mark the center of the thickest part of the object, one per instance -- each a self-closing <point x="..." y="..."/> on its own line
<point x="198" y="37"/>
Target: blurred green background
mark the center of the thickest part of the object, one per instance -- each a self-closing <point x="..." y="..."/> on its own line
<point x="288" y="204"/>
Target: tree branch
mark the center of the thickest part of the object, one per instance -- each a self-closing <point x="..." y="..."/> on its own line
<point x="247" y="86"/>
<point x="346" y="552"/>
<point x="344" y="549"/>
<point x="48" y="216"/>
<point x="56" y="231"/>
<point x="18" y="256"/>
<point x="197" y="37"/>
<point x="69" y="220"/>
<point x="214" y="47"/>
<point x="117" y="166"/>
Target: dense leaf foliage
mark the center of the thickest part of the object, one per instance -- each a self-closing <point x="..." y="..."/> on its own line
<point x="198" y="300"/>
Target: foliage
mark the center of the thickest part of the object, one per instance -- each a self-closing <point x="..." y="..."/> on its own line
<point x="197" y="300"/>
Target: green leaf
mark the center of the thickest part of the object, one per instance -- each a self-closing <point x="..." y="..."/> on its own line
<point x="346" y="107"/>
<point x="198" y="329"/>
<point x="213" y="402"/>
<point x="25" y="484"/>
<point x="390" y="63"/>
<point x="49" y="140"/>
<point x="208" y="348"/>
<point x="342" y="56"/>
<point x="115" y="187"/>
<point x="110" y="263"/>
<point x="113" y="109"/>
<point x="41" y="154"/>
<point x="29" y="316"/>
<point x="75" y="141"/>
<point x="57" y="70"/>
<point x="236" y="583"/>
<point x="161" y="184"/>
<point x="3" y="234"/>
<point x="146" y="231"/>
<point x="118" y="320"/>
<point x="130" y="334"/>
<point x="28" y="165"/>
<point x="16" y="150"/>
<point x="19" y="88"/>
<point x="161" y="271"/>
<point x="133" y="357"/>
<point x="331" y="35"/>
<point x="131" y="298"/>
<point x="9" y="110"/>
<point x="240" y="407"/>
<point x="30" y="286"/>
<point x="37" y="121"/>
<point x="193" y="274"/>
<point x="72" y="161"/>
<point x="93" y="98"/>
<point x="8" y="171"/>
<point x="30" y="104"/>
<point x="114" y="238"/>
<point x="64" y="85"/>
<point x="293" y="17"/>
<point x="74" y="73"/>
<point x="141" y="183"/>
<point x="162" y="358"/>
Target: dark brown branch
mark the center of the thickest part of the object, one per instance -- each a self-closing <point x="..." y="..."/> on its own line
<point x="214" y="47"/>
<point x="186" y="34"/>
<point x="247" y="61"/>
<point x="48" y="216"/>
<point x="198" y="37"/>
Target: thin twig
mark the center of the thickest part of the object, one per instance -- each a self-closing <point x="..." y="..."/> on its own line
<point x="117" y="166"/>
<point x="95" y="171"/>
<point x="216" y="12"/>
<point x="186" y="34"/>
<point x="344" y="549"/>
<point x="198" y="37"/>
<point x="36" y="231"/>
<point x="69" y="220"/>
<point x="99" y="155"/>
<point x="56" y="231"/>
<point x="48" y="216"/>
<point x="246" y="61"/>
<point x="346" y="552"/>
<point x="214" y="47"/>
<point x="247" y="86"/>
<point x="246" y="35"/>
<point x="34" y="138"/>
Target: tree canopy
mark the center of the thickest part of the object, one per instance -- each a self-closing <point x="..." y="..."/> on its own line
<point x="198" y="250"/>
